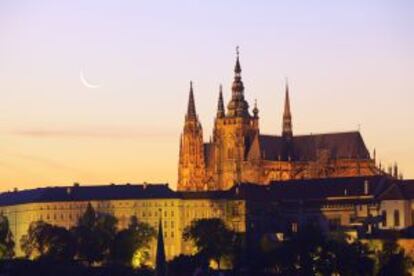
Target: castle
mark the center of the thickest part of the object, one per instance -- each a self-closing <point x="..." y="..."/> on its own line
<point x="238" y="152"/>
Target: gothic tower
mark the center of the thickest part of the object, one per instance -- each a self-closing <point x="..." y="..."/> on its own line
<point x="191" y="171"/>
<point x="233" y="133"/>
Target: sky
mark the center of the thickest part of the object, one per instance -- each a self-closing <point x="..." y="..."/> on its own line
<point x="350" y="66"/>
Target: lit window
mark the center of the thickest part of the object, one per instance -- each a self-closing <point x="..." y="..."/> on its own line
<point x="172" y="234"/>
<point x="384" y="218"/>
<point x="396" y="218"/>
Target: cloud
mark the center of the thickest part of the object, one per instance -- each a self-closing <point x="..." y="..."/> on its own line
<point x="113" y="133"/>
<point x="45" y="162"/>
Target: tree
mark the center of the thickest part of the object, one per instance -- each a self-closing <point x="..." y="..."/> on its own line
<point x="393" y="260"/>
<point x="212" y="238"/>
<point x="34" y="243"/>
<point x="129" y="241"/>
<point x="6" y="239"/>
<point x="312" y="252"/>
<point x="94" y="235"/>
<point x="44" y="240"/>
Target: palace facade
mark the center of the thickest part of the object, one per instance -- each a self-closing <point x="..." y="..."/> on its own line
<point x="379" y="202"/>
<point x="238" y="152"/>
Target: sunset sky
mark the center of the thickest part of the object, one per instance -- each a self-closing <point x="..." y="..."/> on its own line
<point x="350" y="65"/>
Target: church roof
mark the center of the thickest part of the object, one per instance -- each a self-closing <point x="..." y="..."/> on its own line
<point x="317" y="189"/>
<point x="345" y="145"/>
<point x="400" y="190"/>
<point x="310" y="190"/>
<point x="87" y="193"/>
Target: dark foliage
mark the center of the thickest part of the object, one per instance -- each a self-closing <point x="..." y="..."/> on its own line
<point x="6" y="239"/>
<point x="94" y="235"/>
<point x="48" y="241"/>
<point x="213" y="239"/>
<point x="137" y="236"/>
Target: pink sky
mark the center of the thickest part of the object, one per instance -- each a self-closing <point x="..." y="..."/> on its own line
<point x="349" y="64"/>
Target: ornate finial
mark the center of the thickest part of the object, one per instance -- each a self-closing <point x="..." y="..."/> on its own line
<point x="255" y="109"/>
<point x="237" y="50"/>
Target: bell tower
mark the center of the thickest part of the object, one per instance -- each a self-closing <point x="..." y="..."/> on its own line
<point x="234" y="131"/>
<point x="191" y="167"/>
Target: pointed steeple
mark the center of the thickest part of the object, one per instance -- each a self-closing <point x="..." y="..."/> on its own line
<point x="191" y="111"/>
<point x="160" y="261"/>
<point x="287" y="116"/>
<point x="237" y="107"/>
<point x="220" y="106"/>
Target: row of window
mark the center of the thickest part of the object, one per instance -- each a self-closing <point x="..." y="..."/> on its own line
<point x="150" y="213"/>
<point x="396" y="218"/>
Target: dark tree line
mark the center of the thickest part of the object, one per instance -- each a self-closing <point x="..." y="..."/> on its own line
<point x="95" y="239"/>
<point x="308" y="252"/>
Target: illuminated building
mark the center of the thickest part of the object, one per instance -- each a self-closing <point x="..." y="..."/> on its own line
<point x="253" y="209"/>
<point x="63" y="205"/>
<point x="238" y="152"/>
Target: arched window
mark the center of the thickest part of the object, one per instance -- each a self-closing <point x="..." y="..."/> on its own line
<point x="396" y="218"/>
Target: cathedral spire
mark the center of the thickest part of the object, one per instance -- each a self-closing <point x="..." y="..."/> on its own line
<point x="220" y="105"/>
<point x="287" y="116"/>
<point x="191" y="111"/>
<point x="237" y="107"/>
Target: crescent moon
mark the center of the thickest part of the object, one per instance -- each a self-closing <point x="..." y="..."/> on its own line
<point x="86" y="83"/>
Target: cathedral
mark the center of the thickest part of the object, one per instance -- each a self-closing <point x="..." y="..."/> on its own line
<point x="238" y="152"/>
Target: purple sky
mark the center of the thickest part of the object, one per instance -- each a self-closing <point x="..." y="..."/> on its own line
<point x="349" y="64"/>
